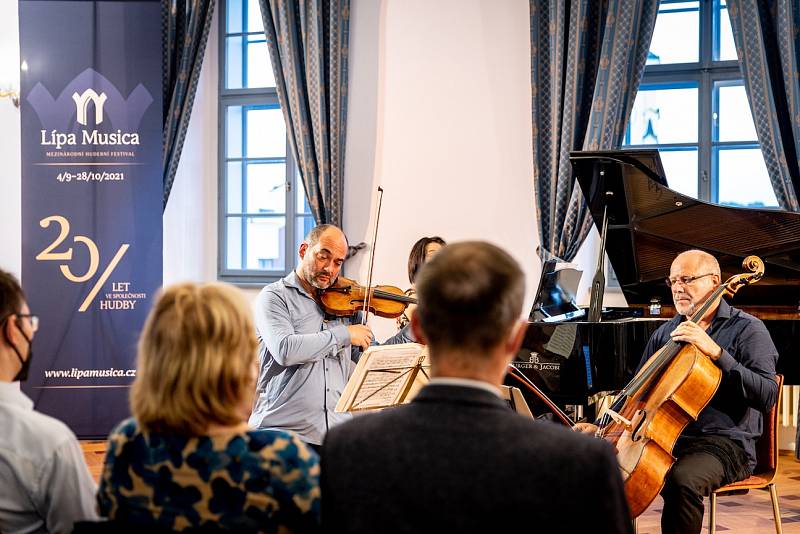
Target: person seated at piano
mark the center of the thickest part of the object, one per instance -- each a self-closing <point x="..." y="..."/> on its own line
<point x="423" y="250"/>
<point x="457" y="458"/>
<point x="718" y="448"/>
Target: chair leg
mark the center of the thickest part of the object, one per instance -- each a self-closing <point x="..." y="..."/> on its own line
<point x="712" y="513"/>
<point x="773" y="493"/>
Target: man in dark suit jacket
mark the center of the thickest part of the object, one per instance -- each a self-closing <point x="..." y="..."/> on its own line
<point x="457" y="458"/>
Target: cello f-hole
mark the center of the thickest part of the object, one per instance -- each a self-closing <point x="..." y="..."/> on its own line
<point x="635" y="434"/>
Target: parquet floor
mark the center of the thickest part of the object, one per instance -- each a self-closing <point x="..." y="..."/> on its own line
<point x="750" y="513"/>
<point x="95" y="453"/>
<point x="738" y="514"/>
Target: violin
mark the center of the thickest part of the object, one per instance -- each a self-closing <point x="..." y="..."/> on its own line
<point x="346" y="296"/>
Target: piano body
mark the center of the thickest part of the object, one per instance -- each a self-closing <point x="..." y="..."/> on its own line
<point x="649" y="224"/>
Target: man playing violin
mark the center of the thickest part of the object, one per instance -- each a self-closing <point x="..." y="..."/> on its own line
<point x="718" y="448"/>
<point x="305" y="356"/>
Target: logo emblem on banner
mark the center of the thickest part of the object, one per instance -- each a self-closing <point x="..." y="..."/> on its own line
<point x="82" y="105"/>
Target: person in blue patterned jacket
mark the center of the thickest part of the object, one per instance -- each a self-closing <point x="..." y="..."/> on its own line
<point x="186" y="459"/>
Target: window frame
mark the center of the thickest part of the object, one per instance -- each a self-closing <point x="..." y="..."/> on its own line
<point x="708" y="74"/>
<point x="245" y="97"/>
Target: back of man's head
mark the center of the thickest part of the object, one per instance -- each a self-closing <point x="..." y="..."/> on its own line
<point x="470" y="296"/>
<point x="11" y="295"/>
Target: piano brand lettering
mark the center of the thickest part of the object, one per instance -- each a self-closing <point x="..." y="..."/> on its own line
<point x="537" y="365"/>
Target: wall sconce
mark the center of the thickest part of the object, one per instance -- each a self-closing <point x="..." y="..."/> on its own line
<point x="9" y="84"/>
<point x="13" y="95"/>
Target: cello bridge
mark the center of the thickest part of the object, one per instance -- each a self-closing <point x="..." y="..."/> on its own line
<point x="620" y="419"/>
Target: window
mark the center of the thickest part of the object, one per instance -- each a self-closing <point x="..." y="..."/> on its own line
<point x="692" y="105"/>
<point x="263" y="214"/>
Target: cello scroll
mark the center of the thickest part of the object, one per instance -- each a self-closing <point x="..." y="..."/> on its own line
<point x="756" y="267"/>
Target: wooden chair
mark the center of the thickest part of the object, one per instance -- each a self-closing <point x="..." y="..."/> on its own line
<point x="764" y="473"/>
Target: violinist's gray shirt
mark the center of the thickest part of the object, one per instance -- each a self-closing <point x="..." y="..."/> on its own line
<point x="305" y="360"/>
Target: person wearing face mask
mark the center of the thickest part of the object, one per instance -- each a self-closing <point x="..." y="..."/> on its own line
<point x="45" y="485"/>
<point x="306" y="357"/>
<point x="718" y="448"/>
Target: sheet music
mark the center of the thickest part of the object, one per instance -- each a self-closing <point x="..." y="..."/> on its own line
<point x="385" y="379"/>
<point x="380" y="388"/>
<point x="384" y="376"/>
<point x="563" y="339"/>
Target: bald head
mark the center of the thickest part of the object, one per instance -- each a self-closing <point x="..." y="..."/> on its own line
<point x="330" y="231"/>
<point x="694" y="275"/>
<point x="700" y="259"/>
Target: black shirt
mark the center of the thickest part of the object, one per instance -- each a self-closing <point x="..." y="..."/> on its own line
<point x="748" y="386"/>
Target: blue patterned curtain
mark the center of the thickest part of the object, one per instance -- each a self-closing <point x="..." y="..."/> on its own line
<point x="308" y="44"/>
<point x="587" y="58"/>
<point x="184" y="27"/>
<point x="768" y="44"/>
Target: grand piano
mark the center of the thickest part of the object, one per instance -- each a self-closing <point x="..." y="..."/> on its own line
<point x="574" y="362"/>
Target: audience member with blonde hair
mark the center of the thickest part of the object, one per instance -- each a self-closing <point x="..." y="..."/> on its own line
<point x="187" y="458"/>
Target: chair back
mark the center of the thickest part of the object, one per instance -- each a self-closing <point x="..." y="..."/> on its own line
<point x="767" y="443"/>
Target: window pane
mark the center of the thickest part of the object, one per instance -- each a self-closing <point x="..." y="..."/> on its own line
<point x="726" y="46"/>
<point x="233" y="14"/>
<point x="266" y="243"/>
<point x="233" y="254"/>
<point x="676" y="37"/>
<point x="680" y="166"/>
<point x="254" y="21"/>
<point x="303" y="226"/>
<point x="300" y="195"/>
<point x="743" y="179"/>
<point x="266" y="188"/>
<point x="233" y="63"/>
<point x="234" y="132"/>
<point x="663" y="116"/>
<point x="266" y="133"/>
<point x="259" y="68"/>
<point x="735" y="123"/>
<point x="234" y="189"/>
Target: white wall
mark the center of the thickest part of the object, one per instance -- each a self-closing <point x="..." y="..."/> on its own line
<point x="439" y="116"/>
<point x="10" y="157"/>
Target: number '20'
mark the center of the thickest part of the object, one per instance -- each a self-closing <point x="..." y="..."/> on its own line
<point x="49" y="254"/>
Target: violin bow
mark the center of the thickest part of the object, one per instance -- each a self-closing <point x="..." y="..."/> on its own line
<point x="368" y="293"/>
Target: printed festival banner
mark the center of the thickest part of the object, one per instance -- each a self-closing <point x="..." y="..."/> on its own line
<point x="91" y="199"/>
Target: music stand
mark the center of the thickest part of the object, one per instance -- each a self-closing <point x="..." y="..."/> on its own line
<point x="386" y="375"/>
<point x="390" y="375"/>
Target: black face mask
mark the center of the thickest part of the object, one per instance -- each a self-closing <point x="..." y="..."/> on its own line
<point x="22" y="375"/>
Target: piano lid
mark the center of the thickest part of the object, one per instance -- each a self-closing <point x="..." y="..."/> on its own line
<point x="649" y="224"/>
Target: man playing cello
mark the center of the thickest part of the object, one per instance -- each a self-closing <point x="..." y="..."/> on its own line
<point x="718" y="448"/>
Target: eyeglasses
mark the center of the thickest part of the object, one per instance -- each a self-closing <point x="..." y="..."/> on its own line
<point x="34" y="320"/>
<point x="684" y="280"/>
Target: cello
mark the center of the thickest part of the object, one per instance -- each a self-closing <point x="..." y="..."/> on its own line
<point x="670" y="390"/>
